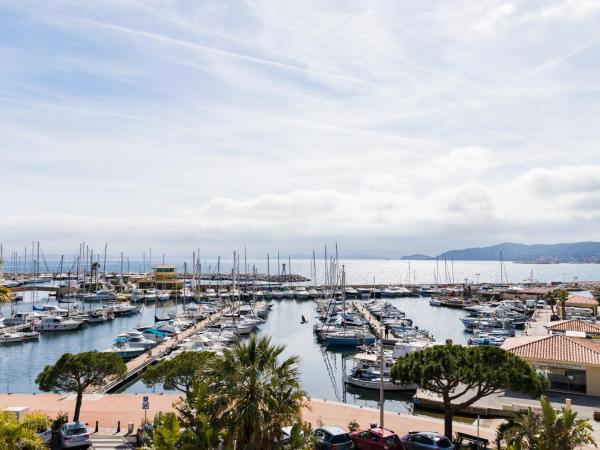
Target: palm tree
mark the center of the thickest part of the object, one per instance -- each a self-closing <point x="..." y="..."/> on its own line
<point x="562" y="430"/>
<point x="550" y="430"/>
<point x="15" y="434"/>
<point x="521" y="431"/>
<point x="257" y="394"/>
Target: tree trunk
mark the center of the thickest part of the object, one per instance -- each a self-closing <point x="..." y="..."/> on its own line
<point x="448" y="415"/>
<point x="78" y="406"/>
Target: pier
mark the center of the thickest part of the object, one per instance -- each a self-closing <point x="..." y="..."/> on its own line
<point x="137" y="365"/>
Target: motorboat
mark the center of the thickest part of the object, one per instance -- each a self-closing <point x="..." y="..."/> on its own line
<point x="150" y="295"/>
<point x="18" y="336"/>
<point x="288" y="293"/>
<point x="301" y="293"/>
<point x="123" y="309"/>
<point x="137" y="295"/>
<point x="51" y="309"/>
<point x="98" y="316"/>
<point x="136" y="338"/>
<point x="100" y="296"/>
<point x="434" y="301"/>
<point x="162" y="296"/>
<point x="22" y="318"/>
<point x="124" y="349"/>
<point x="57" y="323"/>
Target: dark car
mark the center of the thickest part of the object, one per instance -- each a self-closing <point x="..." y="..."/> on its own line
<point x="426" y="440"/>
<point x="332" y="438"/>
<point x="376" y="439"/>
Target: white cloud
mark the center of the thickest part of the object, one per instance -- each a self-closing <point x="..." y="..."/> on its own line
<point x="388" y="124"/>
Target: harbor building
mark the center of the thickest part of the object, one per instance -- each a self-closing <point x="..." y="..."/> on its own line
<point x="571" y="364"/>
<point x="165" y="277"/>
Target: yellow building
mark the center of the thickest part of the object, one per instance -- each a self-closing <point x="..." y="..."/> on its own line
<point x="571" y="364"/>
<point x="164" y="277"/>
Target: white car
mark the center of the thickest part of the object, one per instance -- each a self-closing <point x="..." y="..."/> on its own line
<point x="75" y="434"/>
<point x="45" y="436"/>
<point x="540" y="304"/>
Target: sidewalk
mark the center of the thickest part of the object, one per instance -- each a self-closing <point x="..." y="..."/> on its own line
<point x="127" y="408"/>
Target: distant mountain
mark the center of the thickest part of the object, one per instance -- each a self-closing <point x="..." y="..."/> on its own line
<point x="578" y="252"/>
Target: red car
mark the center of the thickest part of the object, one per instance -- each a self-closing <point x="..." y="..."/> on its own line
<point x="376" y="439"/>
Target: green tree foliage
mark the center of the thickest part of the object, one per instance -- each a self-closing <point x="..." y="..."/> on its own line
<point x="6" y="294"/>
<point x="551" y="430"/>
<point x="22" y="435"/>
<point x="462" y="375"/>
<point x="196" y="416"/>
<point x="255" y="393"/>
<point x="556" y="297"/>
<point x="75" y="373"/>
<point x="178" y="373"/>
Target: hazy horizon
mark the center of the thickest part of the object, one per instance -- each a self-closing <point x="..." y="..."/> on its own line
<point x="391" y="128"/>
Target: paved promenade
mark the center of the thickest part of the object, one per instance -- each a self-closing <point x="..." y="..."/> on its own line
<point x="109" y="408"/>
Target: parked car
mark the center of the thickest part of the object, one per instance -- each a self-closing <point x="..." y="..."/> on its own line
<point x="376" y="439"/>
<point x="540" y="304"/>
<point x="426" y="440"/>
<point x="74" y="434"/>
<point x="45" y="436"/>
<point x="332" y="438"/>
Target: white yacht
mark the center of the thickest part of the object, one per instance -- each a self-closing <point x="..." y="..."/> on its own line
<point x="301" y="293"/>
<point x="136" y="338"/>
<point x="162" y="296"/>
<point x="124" y="349"/>
<point x="150" y="295"/>
<point x="18" y="336"/>
<point x="100" y="296"/>
<point x="137" y="295"/>
<point x="56" y="323"/>
<point x="123" y="309"/>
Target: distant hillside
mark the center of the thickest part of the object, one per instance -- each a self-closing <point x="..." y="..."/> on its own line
<point x="578" y="252"/>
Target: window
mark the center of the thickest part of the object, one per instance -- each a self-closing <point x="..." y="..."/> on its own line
<point x="444" y="443"/>
<point x="392" y="440"/>
<point x="340" y="439"/>
<point x="76" y="431"/>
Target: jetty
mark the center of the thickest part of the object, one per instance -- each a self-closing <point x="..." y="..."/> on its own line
<point x="137" y="365"/>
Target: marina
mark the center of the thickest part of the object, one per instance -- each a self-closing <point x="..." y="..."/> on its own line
<point x="335" y="328"/>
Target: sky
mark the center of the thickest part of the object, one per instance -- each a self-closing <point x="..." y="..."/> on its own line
<point x="389" y="127"/>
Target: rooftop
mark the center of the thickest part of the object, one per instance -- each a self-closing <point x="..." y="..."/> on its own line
<point x="580" y="300"/>
<point x="574" y="325"/>
<point x="555" y="348"/>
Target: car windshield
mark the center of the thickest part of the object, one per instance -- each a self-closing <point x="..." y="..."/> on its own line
<point x="340" y="438"/>
<point x="391" y="440"/>
<point x="76" y="431"/>
<point x="444" y="442"/>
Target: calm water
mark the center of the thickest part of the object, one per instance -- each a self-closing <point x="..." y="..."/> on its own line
<point x="321" y="370"/>
<point x="363" y="271"/>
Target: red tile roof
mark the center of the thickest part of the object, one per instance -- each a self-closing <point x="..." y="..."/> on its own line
<point x="555" y="348"/>
<point x="576" y="300"/>
<point x="574" y="325"/>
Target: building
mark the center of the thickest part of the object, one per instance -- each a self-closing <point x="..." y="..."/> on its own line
<point x="165" y="277"/>
<point x="579" y="306"/>
<point x="589" y="329"/>
<point x="571" y="364"/>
